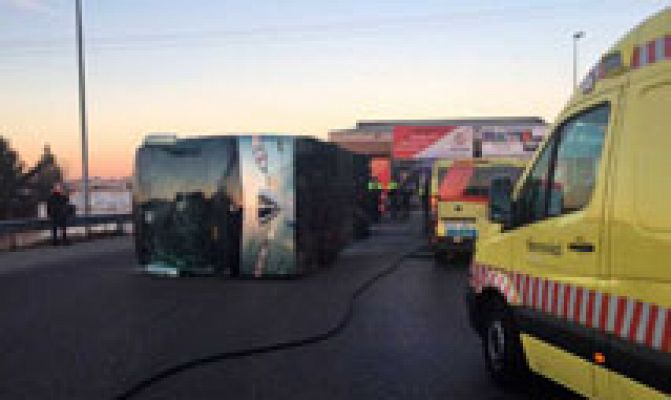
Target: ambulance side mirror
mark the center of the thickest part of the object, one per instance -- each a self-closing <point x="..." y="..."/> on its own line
<point x="500" y="200"/>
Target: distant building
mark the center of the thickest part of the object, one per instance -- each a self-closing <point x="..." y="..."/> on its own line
<point x="443" y="138"/>
<point x="372" y="143"/>
<point x="406" y="148"/>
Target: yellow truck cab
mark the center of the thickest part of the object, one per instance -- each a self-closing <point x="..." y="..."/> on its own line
<point x="459" y="202"/>
<point x="577" y="284"/>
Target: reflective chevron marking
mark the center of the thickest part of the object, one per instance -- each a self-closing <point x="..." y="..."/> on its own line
<point x="639" y="322"/>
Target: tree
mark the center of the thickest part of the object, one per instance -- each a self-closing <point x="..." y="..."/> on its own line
<point x="20" y="191"/>
<point x="11" y="171"/>
<point x="45" y="175"/>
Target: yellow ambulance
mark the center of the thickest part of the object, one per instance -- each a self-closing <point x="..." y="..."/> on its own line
<point x="576" y="286"/>
<point x="459" y="202"/>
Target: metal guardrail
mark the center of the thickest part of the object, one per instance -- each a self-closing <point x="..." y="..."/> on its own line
<point x="10" y="227"/>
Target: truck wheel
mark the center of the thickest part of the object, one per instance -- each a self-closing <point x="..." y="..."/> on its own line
<point x="502" y="348"/>
<point x="463" y="258"/>
<point x="441" y="258"/>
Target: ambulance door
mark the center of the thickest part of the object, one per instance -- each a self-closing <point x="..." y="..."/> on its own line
<point x="639" y="358"/>
<point x="559" y="211"/>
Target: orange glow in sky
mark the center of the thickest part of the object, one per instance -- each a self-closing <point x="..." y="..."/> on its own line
<point x="215" y="69"/>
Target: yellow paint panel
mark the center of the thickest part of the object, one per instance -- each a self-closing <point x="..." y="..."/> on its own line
<point x="448" y="209"/>
<point x="652" y="191"/>
<point x="561" y="366"/>
<point x="654" y="27"/>
<point x="558" y="365"/>
<point x="623" y="388"/>
<point x="640" y="221"/>
<point x="440" y="230"/>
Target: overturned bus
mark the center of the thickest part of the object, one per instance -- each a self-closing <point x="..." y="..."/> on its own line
<point x="244" y="205"/>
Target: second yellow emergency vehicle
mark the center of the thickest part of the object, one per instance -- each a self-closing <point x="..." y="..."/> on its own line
<point x="459" y="202"/>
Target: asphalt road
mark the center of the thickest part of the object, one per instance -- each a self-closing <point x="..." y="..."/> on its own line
<point x="84" y="325"/>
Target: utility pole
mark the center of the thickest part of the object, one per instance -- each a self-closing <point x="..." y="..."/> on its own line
<point x="576" y="36"/>
<point x="82" y="111"/>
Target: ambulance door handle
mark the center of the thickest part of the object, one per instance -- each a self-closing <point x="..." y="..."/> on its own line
<point x="581" y="247"/>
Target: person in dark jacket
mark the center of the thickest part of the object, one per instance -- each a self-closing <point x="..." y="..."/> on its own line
<point x="58" y="210"/>
<point x="406" y="194"/>
<point x="374" y="198"/>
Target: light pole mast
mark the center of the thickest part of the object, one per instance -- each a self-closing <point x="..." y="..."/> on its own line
<point x="576" y="36"/>
<point x="82" y="111"/>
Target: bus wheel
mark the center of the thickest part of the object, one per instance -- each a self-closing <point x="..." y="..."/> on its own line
<point x="502" y="348"/>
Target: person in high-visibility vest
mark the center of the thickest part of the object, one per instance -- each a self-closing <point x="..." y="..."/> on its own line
<point x="405" y="193"/>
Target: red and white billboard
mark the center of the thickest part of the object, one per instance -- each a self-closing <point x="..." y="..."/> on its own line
<point x="512" y="141"/>
<point x="418" y="142"/>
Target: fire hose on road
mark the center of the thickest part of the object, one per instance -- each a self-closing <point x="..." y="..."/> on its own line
<point x="337" y="328"/>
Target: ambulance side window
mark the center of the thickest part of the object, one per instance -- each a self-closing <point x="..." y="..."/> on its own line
<point x="532" y="201"/>
<point x="564" y="176"/>
<point x="577" y="161"/>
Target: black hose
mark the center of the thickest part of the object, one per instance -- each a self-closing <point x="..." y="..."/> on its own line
<point x="285" y="345"/>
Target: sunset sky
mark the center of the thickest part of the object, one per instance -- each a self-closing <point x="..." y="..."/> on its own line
<point x="295" y="66"/>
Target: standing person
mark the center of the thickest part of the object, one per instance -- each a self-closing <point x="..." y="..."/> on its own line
<point x="375" y="197"/>
<point x="57" y="210"/>
<point x="394" y="201"/>
<point x="426" y="201"/>
<point x="406" y="194"/>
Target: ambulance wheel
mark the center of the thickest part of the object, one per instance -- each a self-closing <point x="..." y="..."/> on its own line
<point x="501" y="345"/>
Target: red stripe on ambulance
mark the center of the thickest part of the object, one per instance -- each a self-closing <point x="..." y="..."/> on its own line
<point x="603" y="320"/>
<point x="644" y="323"/>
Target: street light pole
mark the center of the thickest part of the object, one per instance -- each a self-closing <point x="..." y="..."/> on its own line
<point x="576" y="36"/>
<point x="82" y="111"/>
